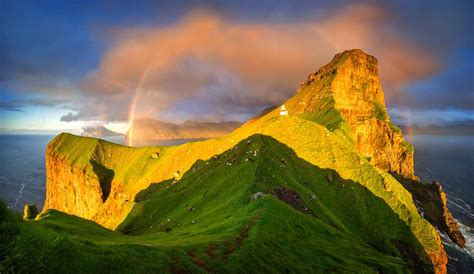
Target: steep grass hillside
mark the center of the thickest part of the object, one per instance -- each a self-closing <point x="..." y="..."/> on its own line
<point x="255" y="207"/>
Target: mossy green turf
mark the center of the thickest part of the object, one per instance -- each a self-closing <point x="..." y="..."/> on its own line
<point x="311" y="141"/>
<point x="208" y="221"/>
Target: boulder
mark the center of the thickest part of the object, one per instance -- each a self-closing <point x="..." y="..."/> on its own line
<point x="258" y="195"/>
<point x="30" y="212"/>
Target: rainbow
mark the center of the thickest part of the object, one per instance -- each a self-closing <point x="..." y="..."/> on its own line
<point x="133" y="105"/>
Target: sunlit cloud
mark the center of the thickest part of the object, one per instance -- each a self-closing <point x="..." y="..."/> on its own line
<point x="207" y="65"/>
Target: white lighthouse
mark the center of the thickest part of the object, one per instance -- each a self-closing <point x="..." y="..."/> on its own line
<point x="283" y="111"/>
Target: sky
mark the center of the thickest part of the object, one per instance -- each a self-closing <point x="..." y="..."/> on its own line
<point x="65" y="65"/>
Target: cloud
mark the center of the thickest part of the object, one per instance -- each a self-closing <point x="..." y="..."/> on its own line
<point x="454" y="86"/>
<point x="212" y="66"/>
<point x="43" y="50"/>
<point x="70" y="117"/>
<point x="19" y="104"/>
<point x="228" y="62"/>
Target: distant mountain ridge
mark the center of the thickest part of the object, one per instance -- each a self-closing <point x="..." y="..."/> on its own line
<point x="150" y="129"/>
<point x="98" y="131"/>
<point x="452" y="129"/>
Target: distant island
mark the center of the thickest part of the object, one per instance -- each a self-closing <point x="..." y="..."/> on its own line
<point x="99" y="131"/>
<point x="151" y="129"/>
<point x="450" y="129"/>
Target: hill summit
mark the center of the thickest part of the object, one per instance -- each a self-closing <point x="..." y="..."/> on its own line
<point x="348" y="92"/>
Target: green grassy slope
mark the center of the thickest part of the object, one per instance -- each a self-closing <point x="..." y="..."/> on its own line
<point x="62" y="243"/>
<point x="308" y="220"/>
<point x="136" y="169"/>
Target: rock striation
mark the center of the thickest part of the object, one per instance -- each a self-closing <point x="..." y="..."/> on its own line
<point x="348" y="89"/>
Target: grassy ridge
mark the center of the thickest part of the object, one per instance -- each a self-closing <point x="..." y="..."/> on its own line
<point x="209" y="221"/>
<point x="136" y="169"/>
<point x="61" y="243"/>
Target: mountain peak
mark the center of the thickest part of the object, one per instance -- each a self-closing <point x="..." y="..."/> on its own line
<point x="348" y="63"/>
<point x="346" y="96"/>
<point x="355" y="53"/>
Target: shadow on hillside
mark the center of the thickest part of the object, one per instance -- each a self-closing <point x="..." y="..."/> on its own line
<point x="105" y="176"/>
<point x="290" y="180"/>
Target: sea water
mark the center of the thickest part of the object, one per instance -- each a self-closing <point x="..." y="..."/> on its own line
<point x="22" y="167"/>
<point x="447" y="159"/>
<point x="450" y="160"/>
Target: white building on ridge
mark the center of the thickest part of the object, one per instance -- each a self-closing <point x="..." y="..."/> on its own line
<point x="283" y="111"/>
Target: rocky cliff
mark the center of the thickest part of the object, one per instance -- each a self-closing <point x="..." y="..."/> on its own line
<point x="79" y="187"/>
<point x="149" y="129"/>
<point x="348" y="90"/>
<point x="432" y="204"/>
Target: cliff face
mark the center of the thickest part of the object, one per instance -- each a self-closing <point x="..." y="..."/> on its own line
<point x="348" y="90"/>
<point x="78" y="189"/>
<point x="432" y="204"/>
<point x="149" y="129"/>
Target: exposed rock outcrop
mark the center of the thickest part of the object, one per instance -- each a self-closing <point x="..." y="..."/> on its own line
<point x="80" y="188"/>
<point x="293" y="199"/>
<point x="431" y="201"/>
<point x="30" y="212"/>
<point x="86" y="195"/>
<point x="349" y="88"/>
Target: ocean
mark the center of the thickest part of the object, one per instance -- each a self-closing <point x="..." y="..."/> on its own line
<point x="447" y="159"/>
<point x="450" y="160"/>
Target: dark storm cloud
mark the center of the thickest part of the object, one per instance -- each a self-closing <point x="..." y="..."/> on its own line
<point x="18" y="104"/>
<point x="69" y="117"/>
<point x="441" y="26"/>
<point x="45" y="47"/>
<point x="452" y="87"/>
<point x="72" y="117"/>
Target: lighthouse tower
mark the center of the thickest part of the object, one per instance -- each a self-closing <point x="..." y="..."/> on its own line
<point x="283" y="111"/>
